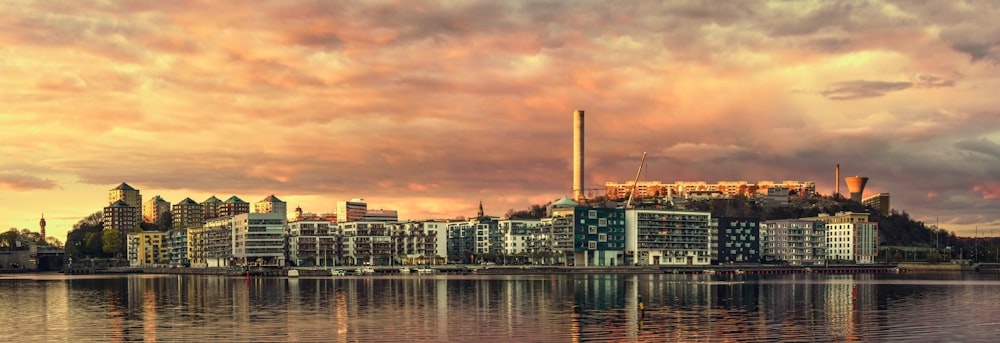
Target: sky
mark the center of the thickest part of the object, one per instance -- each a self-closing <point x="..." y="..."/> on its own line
<point x="431" y="107"/>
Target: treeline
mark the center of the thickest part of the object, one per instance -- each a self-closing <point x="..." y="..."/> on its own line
<point x="88" y="239"/>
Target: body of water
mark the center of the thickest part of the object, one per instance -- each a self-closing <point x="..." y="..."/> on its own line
<point x="943" y="307"/>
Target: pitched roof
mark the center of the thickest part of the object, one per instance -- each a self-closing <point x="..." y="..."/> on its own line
<point x="271" y="198"/>
<point x="124" y="187"/>
<point x="212" y="199"/>
<point x="187" y="201"/>
<point x="234" y="199"/>
<point x="120" y="203"/>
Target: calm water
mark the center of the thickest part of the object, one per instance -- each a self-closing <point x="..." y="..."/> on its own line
<point x="168" y="308"/>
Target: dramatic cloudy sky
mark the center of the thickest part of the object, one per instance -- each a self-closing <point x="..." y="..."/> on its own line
<point x="429" y="107"/>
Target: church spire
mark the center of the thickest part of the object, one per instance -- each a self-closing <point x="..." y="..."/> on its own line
<point x="480" y="214"/>
<point x="41" y="225"/>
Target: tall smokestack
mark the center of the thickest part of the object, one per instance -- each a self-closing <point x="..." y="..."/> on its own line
<point x="578" y="155"/>
<point x="836" y="181"/>
<point x="856" y="185"/>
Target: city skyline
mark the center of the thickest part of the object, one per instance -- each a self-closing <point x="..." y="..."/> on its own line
<point x="429" y="108"/>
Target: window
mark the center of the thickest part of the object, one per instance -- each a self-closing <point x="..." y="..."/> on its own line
<point x="592" y="214"/>
<point x="592" y="245"/>
<point x="603" y="222"/>
<point x="602" y="237"/>
<point x="592" y="230"/>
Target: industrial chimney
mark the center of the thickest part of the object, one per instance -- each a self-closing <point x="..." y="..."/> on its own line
<point x="836" y="181"/>
<point x="856" y="185"/>
<point x="578" y="155"/>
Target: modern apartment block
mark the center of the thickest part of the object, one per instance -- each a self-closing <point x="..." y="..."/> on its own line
<point x="469" y="240"/>
<point x="795" y="241"/>
<point x="175" y="242"/>
<point x="598" y="236"/>
<point x="852" y="242"/>
<point x="187" y="214"/>
<point x="738" y="240"/>
<point x="366" y="243"/>
<point x="146" y="249"/>
<point x="662" y="237"/>
<point x="684" y="189"/>
<point x="517" y="235"/>
<point x="214" y="243"/>
<point x="257" y="239"/>
<point x="271" y="204"/>
<point x="155" y="210"/>
<point x="313" y="242"/>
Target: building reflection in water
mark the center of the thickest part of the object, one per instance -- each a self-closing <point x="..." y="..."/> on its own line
<point x="467" y="308"/>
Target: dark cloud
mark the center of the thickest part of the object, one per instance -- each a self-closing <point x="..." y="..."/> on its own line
<point x="860" y="89"/>
<point x="981" y="145"/>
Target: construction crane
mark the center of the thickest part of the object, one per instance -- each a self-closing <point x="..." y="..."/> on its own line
<point x="635" y="184"/>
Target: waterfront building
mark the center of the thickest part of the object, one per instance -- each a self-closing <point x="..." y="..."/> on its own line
<point x="796" y="241"/>
<point x="348" y="211"/>
<point x="131" y="197"/>
<point x="313" y="242"/>
<point x="155" y="211"/>
<point x="146" y="249"/>
<point x="738" y="240"/>
<point x="233" y="206"/>
<point x="850" y="236"/>
<point x="176" y="245"/>
<point x="366" y="243"/>
<point x="257" y="239"/>
<point x="599" y="236"/>
<point x="419" y="242"/>
<point x="470" y="239"/>
<point x="879" y="202"/>
<point x="852" y="242"/>
<point x="210" y="207"/>
<point x="121" y="217"/>
<point x="187" y="214"/>
<point x="216" y="240"/>
<point x="196" y="247"/>
<point x="271" y="204"/>
<point x="663" y="237"/>
<point x="517" y="235"/>
<point x="560" y="229"/>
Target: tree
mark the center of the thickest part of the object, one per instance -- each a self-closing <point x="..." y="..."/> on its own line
<point x="112" y="242"/>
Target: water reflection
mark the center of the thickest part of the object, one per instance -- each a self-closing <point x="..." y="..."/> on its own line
<point x="501" y="308"/>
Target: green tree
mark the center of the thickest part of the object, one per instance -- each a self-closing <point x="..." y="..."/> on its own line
<point x="112" y="242"/>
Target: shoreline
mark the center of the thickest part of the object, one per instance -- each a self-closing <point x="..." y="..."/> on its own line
<point x="530" y="270"/>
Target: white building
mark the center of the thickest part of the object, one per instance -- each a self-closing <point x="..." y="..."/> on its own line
<point x="257" y="239"/>
<point x="517" y="235"/>
<point x="796" y="241"/>
<point x="661" y="237"/>
<point x="855" y="242"/>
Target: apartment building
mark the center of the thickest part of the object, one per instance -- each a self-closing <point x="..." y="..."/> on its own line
<point x="663" y="237"/>
<point x="795" y="241"/>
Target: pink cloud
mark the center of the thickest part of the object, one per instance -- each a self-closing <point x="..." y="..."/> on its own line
<point x="989" y="191"/>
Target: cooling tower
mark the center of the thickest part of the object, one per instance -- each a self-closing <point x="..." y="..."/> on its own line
<point x="578" y="155"/>
<point x="856" y="185"/>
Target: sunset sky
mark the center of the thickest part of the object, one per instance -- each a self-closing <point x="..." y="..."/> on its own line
<point x="429" y="107"/>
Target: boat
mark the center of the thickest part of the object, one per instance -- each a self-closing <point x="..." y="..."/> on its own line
<point x="404" y="270"/>
<point x="293" y="273"/>
<point x="366" y="270"/>
<point x="426" y="270"/>
<point x="337" y="272"/>
<point x="708" y="271"/>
